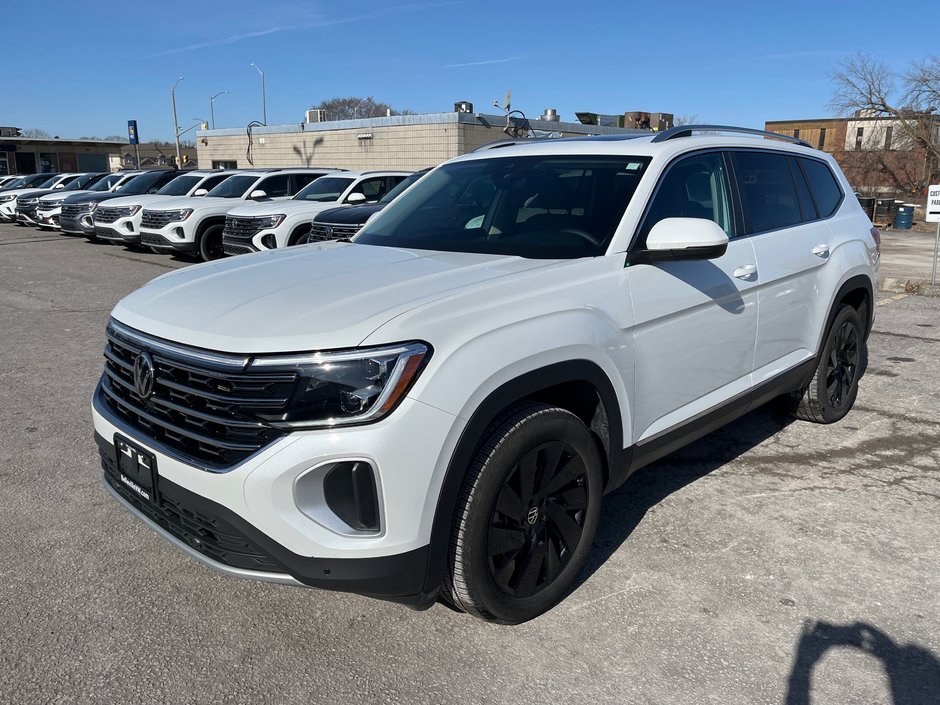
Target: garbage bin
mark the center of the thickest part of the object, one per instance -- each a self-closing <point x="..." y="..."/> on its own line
<point x="904" y="217"/>
<point x="868" y="205"/>
<point x="884" y="210"/>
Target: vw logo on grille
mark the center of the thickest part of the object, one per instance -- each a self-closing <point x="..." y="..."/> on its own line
<point x="328" y="231"/>
<point x="143" y="375"/>
<point x="532" y="515"/>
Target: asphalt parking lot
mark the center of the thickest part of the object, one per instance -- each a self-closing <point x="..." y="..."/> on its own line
<point x="772" y="562"/>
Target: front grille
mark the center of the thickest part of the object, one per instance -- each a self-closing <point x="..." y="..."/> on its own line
<point x="211" y="536"/>
<point x="108" y="215"/>
<point x="47" y="206"/>
<point x="242" y="228"/>
<point x="75" y="211"/>
<point x="332" y="231"/>
<point x="205" y="411"/>
<point x="26" y="202"/>
<point x="158" y="219"/>
<point x="232" y="249"/>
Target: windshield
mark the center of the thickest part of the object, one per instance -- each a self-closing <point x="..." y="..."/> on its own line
<point x="15" y="183"/>
<point x="180" y="186"/>
<point x="82" y="182"/>
<point x="49" y="183"/>
<point x="141" y="183"/>
<point x="326" y="189"/>
<point x="540" y="207"/>
<point x="233" y="187"/>
<point x="394" y="193"/>
<point x="107" y="182"/>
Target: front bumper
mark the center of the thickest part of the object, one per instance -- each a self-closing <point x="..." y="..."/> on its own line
<point x="83" y="225"/>
<point x="48" y="218"/>
<point x="154" y="239"/>
<point x="26" y="216"/>
<point x="8" y="211"/>
<point x="244" y="522"/>
<point x="123" y="230"/>
<point x="108" y="233"/>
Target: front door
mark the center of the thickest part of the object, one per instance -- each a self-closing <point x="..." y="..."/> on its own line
<point x="696" y="321"/>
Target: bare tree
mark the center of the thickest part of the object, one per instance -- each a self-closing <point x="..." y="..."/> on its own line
<point x="867" y="87"/>
<point x="35" y="133"/>
<point x="679" y="120"/>
<point x="353" y="107"/>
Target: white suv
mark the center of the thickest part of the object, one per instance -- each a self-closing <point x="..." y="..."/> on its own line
<point x="119" y="220"/>
<point x="266" y="226"/>
<point x="185" y="225"/>
<point x="437" y="407"/>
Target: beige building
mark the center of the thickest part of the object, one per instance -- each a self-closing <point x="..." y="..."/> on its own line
<point x="30" y="155"/>
<point x="407" y="142"/>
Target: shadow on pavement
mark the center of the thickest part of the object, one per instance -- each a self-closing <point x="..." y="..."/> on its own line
<point x="624" y="508"/>
<point x="913" y="672"/>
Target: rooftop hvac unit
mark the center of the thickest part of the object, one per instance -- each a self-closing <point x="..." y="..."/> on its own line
<point x="463" y="106"/>
<point x="316" y="115"/>
<point x="550" y="115"/>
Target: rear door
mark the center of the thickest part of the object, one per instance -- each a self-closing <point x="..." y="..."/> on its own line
<point x="791" y="243"/>
<point x="696" y="321"/>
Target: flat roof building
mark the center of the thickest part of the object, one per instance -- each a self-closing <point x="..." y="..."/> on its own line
<point x="30" y="155"/>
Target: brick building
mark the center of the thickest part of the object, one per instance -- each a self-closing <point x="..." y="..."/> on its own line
<point x="877" y="154"/>
<point x="30" y="155"/>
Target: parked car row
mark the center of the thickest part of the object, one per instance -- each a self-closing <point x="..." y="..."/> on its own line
<point x="206" y="213"/>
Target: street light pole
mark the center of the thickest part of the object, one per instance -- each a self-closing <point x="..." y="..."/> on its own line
<point x="176" y="125"/>
<point x="212" y="106"/>
<point x="264" y="105"/>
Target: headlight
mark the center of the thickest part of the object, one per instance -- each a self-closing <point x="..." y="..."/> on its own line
<point x="271" y="221"/>
<point x="185" y="213"/>
<point x="92" y="207"/>
<point x="351" y="387"/>
<point x="7" y="199"/>
<point x="131" y="210"/>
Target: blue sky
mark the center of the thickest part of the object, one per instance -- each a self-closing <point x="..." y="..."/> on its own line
<point x="76" y="69"/>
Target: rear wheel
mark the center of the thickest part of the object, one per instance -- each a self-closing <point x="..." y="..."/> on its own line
<point x="526" y="516"/>
<point x="831" y="392"/>
<point x="210" y="243"/>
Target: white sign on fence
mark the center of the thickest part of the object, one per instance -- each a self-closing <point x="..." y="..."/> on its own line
<point x="933" y="204"/>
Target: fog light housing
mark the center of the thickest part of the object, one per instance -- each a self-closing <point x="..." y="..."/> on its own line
<point x="269" y="241"/>
<point x="342" y="495"/>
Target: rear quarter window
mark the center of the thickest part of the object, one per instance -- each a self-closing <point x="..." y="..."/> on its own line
<point x="766" y="185"/>
<point x="823" y="185"/>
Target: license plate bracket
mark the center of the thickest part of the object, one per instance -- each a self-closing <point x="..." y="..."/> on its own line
<point x="136" y="468"/>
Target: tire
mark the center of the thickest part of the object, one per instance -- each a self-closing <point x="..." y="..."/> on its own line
<point x="210" y="243"/>
<point x="514" y="557"/>
<point x="831" y="392"/>
<point x="299" y="237"/>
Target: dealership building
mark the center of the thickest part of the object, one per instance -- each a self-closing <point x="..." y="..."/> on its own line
<point x="408" y="142"/>
<point x="30" y="155"/>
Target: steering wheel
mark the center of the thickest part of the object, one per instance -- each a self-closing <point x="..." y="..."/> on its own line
<point x="583" y="234"/>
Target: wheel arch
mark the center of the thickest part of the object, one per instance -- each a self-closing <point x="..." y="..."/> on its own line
<point x="857" y="292"/>
<point x="580" y="386"/>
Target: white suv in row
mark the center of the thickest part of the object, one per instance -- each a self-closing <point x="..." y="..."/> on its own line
<point x="265" y="226"/>
<point x="437" y="407"/>
<point x="186" y="225"/>
<point x="119" y="220"/>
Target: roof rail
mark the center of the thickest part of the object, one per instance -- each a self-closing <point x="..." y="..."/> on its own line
<point x="687" y="130"/>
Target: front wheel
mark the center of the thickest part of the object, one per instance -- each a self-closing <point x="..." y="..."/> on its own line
<point x="526" y="516"/>
<point x="831" y="392"/>
<point x="301" y="236"/>
<point x="210" y="243"/>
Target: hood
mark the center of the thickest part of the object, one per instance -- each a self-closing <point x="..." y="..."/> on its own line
<point x="145" y="200"/>
<point x="92" y="197"/>
<point x="325" y="296"/>
<point x="23" y="192"/>
<point x="349" y="215"/>
<point x="272" y="207"/>
<point x="39" y="193"/>
<point x="198" y="203"/>
<point x="60" y="197"/>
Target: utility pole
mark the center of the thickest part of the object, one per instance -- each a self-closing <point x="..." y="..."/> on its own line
<point x="264" y="105"/>
<point x="212" y="107"/>
<point x="176" y="125"/>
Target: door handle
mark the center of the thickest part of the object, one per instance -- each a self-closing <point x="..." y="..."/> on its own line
<point x="821" y="250"/>
<point x="744" y="272"/>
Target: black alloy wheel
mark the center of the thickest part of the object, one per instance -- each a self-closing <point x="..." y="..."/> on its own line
<point x="538" y="520"/>
<point x="526" y="515"/>
<point x="210" y="243"/>
<point x="842" y="365"/>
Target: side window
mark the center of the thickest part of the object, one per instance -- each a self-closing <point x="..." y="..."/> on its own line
<point x="823" y="185"/>
<point x="372" y="189"/>
<point x="276" y="186"/>
<point x="298" y="181"/>
<point x="163" y="181"/>
<point x="807" y="208"/>
<point x="695" y="187"/>
<point x="213" y="181"/>
<point x="768" y="191"/>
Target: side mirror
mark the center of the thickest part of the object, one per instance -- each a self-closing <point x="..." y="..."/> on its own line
<point x="58" y="186"/>
<point x="257" y="194"/>
<point x="355" y="198"/>
<point x="676" y="239"/>
<point x="200" y="192"/>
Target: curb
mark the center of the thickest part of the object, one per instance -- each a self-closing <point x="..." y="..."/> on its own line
<point x="909" y="286"/>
